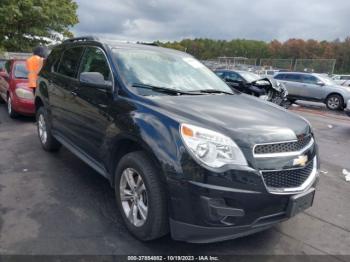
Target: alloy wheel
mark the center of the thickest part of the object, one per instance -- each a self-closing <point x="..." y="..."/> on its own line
<point x="133" y="196"/>
<point x="9" y="106"/>
<point x="42" y="129"/>
<point x="333" y="102"/>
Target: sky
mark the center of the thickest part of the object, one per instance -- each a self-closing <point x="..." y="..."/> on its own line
<point x="169" y="20"/>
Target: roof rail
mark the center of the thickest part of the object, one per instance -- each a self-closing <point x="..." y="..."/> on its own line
<point x="82" y="38"/>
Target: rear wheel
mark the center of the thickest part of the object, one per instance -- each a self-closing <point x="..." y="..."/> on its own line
<point x="12" y="113"/>
<point x="48" y="142"/>
<point x="334" y="102"/>
<point x="141" y="197"/>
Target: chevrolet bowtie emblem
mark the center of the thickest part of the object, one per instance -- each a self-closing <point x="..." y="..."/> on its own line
<point x="300" y="161"/>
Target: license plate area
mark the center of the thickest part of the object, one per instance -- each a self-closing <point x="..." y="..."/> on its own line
<point x="299" y="203"/>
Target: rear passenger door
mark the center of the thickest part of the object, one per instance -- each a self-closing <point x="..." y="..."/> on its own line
<point x="63" y="86"/>
<point x="92" y="101"/>
<point x="293" y="84"/>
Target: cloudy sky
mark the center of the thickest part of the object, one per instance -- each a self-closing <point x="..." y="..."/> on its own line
<point x="148" y="20"/>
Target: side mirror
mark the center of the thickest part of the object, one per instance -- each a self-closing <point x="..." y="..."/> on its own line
<point x="94" y="78"/>
<point x="320" y="83"/>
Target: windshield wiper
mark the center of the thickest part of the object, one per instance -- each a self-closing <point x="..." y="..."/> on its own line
<point x="164" y="89"/>
<point x="213" y="91"/>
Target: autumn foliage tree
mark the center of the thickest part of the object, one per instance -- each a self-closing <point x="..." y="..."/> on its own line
<point x="26" y="23"/>
<point x="290" y="49"/>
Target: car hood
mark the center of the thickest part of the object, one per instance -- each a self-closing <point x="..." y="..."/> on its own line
<point x="248" y="120"/>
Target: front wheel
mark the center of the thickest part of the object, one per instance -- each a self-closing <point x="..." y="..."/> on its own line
<point x="48" y="142"/>
<point x="334" y="102"/>
<point x="12" y="113"/>
<point x="141" y="196"/>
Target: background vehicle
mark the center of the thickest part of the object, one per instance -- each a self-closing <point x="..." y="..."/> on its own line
<point x="340" y="79"/>
<point x="346" y="83"/>
<point x="253" y="84"/>
<point x="14" y="89"/>
<point x="155" y="123"/>
<point x="315" y="87"/>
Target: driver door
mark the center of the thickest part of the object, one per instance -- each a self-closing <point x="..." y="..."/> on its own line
<point x="92" y="100"/>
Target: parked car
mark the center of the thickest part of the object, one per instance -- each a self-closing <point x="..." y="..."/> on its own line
<point x="315" y="87"/>
<point x="340" y="79"/>
<point x="14" y="89"/>
<point x="346" y="83"/>
<point x="253" y="84"/>
<point x="182" y="151"/>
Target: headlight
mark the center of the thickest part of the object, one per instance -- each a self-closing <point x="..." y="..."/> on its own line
<point x="24" y="93"/>
<point x="210" y="147"/>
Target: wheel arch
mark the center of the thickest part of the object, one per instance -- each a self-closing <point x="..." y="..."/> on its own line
<point x="335" y="93"/>
<point x="125" y="145"/>
<point x="38" y="103"/>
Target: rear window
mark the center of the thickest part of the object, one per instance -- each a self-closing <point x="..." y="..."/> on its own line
<point x="21" y="71"/>
<point x="70" y="62"/>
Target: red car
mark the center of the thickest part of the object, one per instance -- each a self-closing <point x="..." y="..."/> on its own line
<point x="14" y="89"/>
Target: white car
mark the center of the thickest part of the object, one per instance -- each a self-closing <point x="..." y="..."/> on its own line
<point x="341" y="79"/>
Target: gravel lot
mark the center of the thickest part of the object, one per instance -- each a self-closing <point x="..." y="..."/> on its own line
<point x="55" y="204"/>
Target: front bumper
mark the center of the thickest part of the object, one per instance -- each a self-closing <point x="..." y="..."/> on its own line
<point x="226" y="206"/>
<point x="23" y="106"/>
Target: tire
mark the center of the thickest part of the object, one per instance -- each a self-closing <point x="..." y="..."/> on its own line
<point x="12" y="113"/>
<point x="151" y="197"/>
<point x="48" y="142"/>
<point x="334" y="102"/>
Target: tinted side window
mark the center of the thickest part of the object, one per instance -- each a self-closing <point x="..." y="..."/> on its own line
<point x="94" y="60"/>
<point x="280" y="76"/>
<point x="70" y="62"/>
<point x="220" y="74"/>
<point x="52" y="62"/>
<point x="344" y="77"/>
<point x="233" y="76"/>
<point x="309" y="79"/>
<point x="293" y="77"/>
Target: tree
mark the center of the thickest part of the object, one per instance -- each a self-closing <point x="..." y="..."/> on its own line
<point x="27" y="23"/>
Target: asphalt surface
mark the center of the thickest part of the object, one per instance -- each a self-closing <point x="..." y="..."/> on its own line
<point x="56" y="204"/>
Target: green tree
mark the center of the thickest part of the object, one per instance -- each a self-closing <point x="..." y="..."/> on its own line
<point x="27" y="23"/>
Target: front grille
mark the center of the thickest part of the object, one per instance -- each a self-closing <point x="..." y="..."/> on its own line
<point x="288" y="178"/>
<point x="283" y="147"/>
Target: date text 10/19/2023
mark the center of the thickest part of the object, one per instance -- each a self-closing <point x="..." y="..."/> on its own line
<point x="173" y="258"/>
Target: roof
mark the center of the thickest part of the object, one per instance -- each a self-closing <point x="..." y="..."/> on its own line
<point x="118" y="44"/>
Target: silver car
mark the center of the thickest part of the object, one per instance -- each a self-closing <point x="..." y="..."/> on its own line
<point x="315" y="87"/>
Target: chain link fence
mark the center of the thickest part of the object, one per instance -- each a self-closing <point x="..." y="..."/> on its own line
<point x="234" y="63"/>
<point x="277" y="64"/>
<point x="322" y="66"/>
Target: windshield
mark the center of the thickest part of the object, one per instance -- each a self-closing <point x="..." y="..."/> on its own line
<point x="21" y="71"/>
<point x="250" y="77"/>
<point x="327" y="80"/>
<point x="167" y="70"/>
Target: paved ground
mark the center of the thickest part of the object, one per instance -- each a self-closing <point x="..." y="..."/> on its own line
<point x="55" y="204"/>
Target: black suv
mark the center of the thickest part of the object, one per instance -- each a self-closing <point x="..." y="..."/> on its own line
<point x="183" y="152"/>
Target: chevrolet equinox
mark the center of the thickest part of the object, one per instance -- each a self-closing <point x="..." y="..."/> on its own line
<point x="183" y="152"/>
